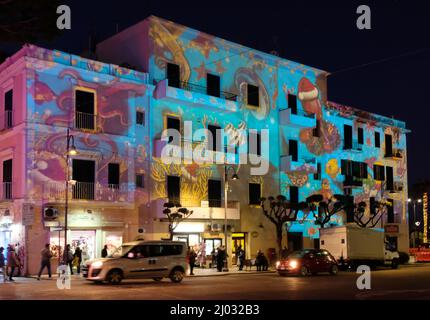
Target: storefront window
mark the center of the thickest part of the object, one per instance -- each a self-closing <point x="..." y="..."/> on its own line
<point x="86" y="240"/>
<point x="212" y="244"/>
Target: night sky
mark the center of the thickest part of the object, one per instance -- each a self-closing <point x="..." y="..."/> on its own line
<point x="321" y="34"/>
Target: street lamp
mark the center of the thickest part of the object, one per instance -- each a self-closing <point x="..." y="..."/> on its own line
<point x="234" y="176"/>
<point x="417" y="223"/>
<point x="70" y="151"/>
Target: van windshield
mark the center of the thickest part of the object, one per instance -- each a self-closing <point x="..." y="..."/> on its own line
<point x="120" y="251"/>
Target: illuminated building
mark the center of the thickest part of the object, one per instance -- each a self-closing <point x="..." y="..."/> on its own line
<point x="117" y="116"/>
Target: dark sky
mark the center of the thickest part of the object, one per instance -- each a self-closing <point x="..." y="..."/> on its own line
<point x="322" y="34"/>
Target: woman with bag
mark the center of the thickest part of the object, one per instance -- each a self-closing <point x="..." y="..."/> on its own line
<point x="12" y="261"/>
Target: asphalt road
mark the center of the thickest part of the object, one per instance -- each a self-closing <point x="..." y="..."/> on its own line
<point x="409" y="282"/>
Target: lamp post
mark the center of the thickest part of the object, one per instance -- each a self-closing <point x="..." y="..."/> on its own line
<point x="70" y="151"/>
<point x="233" y="177"/>
<point x="416" y="223"/>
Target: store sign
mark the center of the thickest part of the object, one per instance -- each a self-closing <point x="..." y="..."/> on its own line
<point x="188" y="227"/>
<point x="391" y="228"/>
<point x="425" y="217"/>
<point x="27" y="214"/>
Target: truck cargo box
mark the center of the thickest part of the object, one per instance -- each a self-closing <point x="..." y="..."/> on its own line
<point x="353" y="243"/>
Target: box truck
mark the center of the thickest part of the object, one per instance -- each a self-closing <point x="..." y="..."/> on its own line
<point x="353" y="246"/>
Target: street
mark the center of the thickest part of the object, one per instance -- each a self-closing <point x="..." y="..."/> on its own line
<point x="408" y="282"/>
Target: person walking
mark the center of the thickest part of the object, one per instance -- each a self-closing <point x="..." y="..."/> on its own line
<point x="104" y="251"/>
<point x="2" y="264"/>
<point x="241" y="257"/>
<point x="12" y="261"/>
<point x="68" y="258"/>
<point x="46" y="256"/>
<point x="221" y="256"/>
<point x="191" y="259"/>
<point x="77" y="259"/>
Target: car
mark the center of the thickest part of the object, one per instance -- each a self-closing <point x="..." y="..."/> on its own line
<point x="307" y="261"/>
<point x="140" y="260"/>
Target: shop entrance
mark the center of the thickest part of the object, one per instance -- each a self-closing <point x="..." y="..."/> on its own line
<point x="86" y="240"/>
<point x="5" y="239"/>
<point x="237" y="239"/>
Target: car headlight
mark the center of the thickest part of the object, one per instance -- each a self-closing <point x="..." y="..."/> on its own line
<point x="97" y="264"/>
<point x="293" y="264"/>
<point x="278" y="263"/>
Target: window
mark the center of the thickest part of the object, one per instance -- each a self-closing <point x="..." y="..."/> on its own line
<point x="292" y="103"/>
<point x="390" y="211"/>
<point x="347" y="137"/>
<point x="84" y="175"/>
<point x="213" y="85"/>
<point x="7" y="179"/>
<point x="389" y="178"/>
<point x="388" y="145"/>
<point x="293" y="150"/>
<point x="173" y="123"/>
<point x="254" y="143"/>
<point x="378" y="172"/>
<point x="253" y="95"/>
<point x="360" y="134"/>
<point x="84" y="110"/>
<point x="140" y="181"/>
<point x="317" y="175"/>
<point x="215" y="132"/>
<point x="294" y="194"/>
<point x="355" y="169"/>
<point x="140" y="118"/>
<point x="173" y="75"/>
<point x="377" y="140"/>
<point x="173" y="189"/>
<point x="316" y="131"/>
<point x="214" y="193"/>
<point x="254" y="193"/>
<point x="113" y="175"/>
<point x="8" y="105"/>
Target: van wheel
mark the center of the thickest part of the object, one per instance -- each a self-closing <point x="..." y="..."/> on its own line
<point x="334" y="270"/>
<point x="394" y="264"/>
<point x="177" y="275"/>
<point x="304" y="271"/>
<point x="114" y="276"/>
<point x="158" y="279"/>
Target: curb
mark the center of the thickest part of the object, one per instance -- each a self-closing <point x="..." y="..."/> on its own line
<point x="230" y="274"/>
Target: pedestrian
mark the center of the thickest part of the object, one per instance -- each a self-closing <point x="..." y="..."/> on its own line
<point x="12" y="261"/>
<point x="68" y="258"/>
<point x="213" y="254"/>
<point x="77" y="259"/>
<point x="241" y="257"/>
<point x="261" y="261"/>
<point x="104" y="251"/>
<point x="46" y="256"/>
<point x="191" y="259"/>
<point x="2" y="264"/>
<point x="221" y="256"/>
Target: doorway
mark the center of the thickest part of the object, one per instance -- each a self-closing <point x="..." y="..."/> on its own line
<point x="237" y="239"/>
<point x="86" y="240"/>
<point x="295" y="241"/>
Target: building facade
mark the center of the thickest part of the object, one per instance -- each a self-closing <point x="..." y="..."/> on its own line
<point x="278" y="131"/>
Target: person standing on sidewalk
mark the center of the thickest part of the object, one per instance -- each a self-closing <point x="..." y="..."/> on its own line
<point x="46" y="256"/>
<point x="191" y="259"/>
<point x="2" y="264"/>
<point x="77" y="259"/>
<point x="12" y="261"/>
<point x="241" y="257"/>
<point x="68" y="258"/>
<point x="221" y="256"/>
<point x="105" y="251"/>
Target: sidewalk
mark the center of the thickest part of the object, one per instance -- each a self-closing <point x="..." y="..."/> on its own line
<point x="213" y="272"/>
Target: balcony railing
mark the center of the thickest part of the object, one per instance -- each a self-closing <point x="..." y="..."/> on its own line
<point x="6" y="191"/>
<point x="86" y="121"/>
<point x="301" y="113"/>
<point x="83" y="191"/>
<point x="396" y="187"/>
<point x="352" y="182"/>
<point x="202" y="89"/>
<point x="355" y="146"/>
<point x="6" y="120"/>
<point x="297" y="118"/>
<point x="395" y="154"/>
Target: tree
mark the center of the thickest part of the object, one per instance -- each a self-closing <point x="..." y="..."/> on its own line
<point x="324" y="210"/>
<point x="279" y="212"/>
<point x="376" y="212"/>
<point x="28" y="20"/>
<point x="175" y="214"/>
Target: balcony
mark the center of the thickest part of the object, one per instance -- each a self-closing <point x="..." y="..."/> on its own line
<point x="84" y="191"/>
<point x="302" y="164"/>
<point x="355" y="146"/>
<point x="352" y="182"/>
<point x="6" y="191"/>
<point x="85" y="121"/>
<point x="297" y="118"/>
<point x="396" y="154"/>
<point x="202" y="210"/>
<point x="196" y="95"/>
<point x="6" y="120"/>
<point x="397" y="187"/>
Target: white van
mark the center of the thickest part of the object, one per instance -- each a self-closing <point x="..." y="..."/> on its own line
<point x="140" y="260"/>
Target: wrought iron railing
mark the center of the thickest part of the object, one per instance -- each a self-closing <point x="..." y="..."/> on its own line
<point x="83" y="191"/>
<point x="86" y="121"/>
<point x="396" y="153"/>
<point x="300" y="112"/>
<point x="6" y="120"/>
<point x="6" y="191"/>
<point x="354" y="145"/>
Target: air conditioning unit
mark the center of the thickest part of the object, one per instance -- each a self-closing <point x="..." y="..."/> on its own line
<point x="50" y="213"/>
<point x="217" y="227"/>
